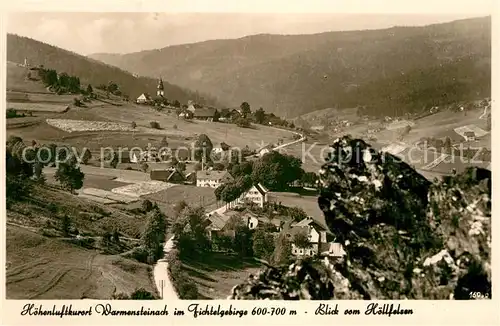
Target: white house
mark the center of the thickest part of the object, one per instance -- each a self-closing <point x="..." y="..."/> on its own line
<point x="317" y="236"/>
<point x="212" y="179"/>
<point x="257" y="194"/>
<point x="264" y="150"/>
<point x="143" y="98"/>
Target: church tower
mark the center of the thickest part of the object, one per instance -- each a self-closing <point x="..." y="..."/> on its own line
<point x="159" y="91"/>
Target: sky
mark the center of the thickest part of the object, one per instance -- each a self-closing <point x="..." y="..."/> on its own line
<point x="126" y="32"/>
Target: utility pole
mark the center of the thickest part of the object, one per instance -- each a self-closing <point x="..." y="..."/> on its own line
<point x="162" y="284"/>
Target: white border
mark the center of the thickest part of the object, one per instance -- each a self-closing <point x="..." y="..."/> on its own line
<point x="425" y="311"/>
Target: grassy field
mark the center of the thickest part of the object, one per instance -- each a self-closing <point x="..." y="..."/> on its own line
<point x="93" y="181"/>
<point x="217" y="132"/>
<point x="49" y="98"/>
<point x="38" y="107"/>
<point x="308" y="203"/>
<point x="43" y="268"/>
<point x="46" y="206"/>
<point x="193" y="196"/>
<point x="17" y="81"/>
<point x="437" y="124"/>
<point x="216" y="274"/>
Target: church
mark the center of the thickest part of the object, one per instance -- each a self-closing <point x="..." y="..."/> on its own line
<point x="145" y="98"/>
<point x="160" y="92"/>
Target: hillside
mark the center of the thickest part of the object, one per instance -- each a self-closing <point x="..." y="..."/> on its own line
<point x="295" y="74"/>
<point x="88" y="70"/>
<point x="43" y="262"/>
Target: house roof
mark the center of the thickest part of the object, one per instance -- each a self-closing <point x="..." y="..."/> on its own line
<point x="166" y="174"/>
<point x="146" y="95"/>
<point x="174" y="172"/>
<point x="268" y="146"/>
<point x="218" y="221"/>
<point x="204" y="112"/>
<point x="213" y="175"/>
<point x="260" y="188"/>
<point x="334" y="249"/>
<point x="310" y="222"/>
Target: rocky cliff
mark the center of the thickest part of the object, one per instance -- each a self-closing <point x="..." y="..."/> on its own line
<point x="405" y="237"/>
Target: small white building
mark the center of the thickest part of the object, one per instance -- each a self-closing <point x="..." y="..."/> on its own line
<point x="257" y="194"/>
<point x="212" y="179"/>
<point x="143" y="99"/>
<point x="264" y="150"/>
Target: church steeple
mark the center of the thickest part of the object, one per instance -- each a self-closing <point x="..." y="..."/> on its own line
<point x="159" y="91"/>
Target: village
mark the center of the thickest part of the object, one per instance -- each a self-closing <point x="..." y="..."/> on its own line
<point x="139" y="188"/>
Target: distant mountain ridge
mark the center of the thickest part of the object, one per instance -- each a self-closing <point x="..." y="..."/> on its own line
<point x="92" y="71"/>
<point x="294" y="74"/>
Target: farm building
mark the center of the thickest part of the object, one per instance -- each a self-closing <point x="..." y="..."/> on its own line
<point x="207" y="114"/>
<point x="212" y="179"/>
<point x="168" y="175"/>
<point x="144" y="98"/>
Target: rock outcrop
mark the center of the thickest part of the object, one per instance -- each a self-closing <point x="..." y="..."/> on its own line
<point x="405" y="237"/>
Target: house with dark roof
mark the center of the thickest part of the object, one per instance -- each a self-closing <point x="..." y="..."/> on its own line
<point x="172" y="175"/>
<point x="212" y="178"/>
<point x="204" y="113"/>
<point x="470" y="135"/>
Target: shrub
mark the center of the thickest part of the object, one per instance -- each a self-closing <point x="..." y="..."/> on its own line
<point x="175" y="127"/>
<point x="154" y="125"/>
<point x="133" y="125"/>
<point x="11" y="113"/>
<point x="147" y="205"/>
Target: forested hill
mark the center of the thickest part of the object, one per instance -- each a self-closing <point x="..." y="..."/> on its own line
<point x="92" y="71"/>
<point x="396" y="69"/>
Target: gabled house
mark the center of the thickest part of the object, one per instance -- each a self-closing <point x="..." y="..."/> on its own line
<point x="319" y="240"/>
<point x="257" y="194"/>
<point x="144" y="98"/>
<point x="207" y="114"/>
<point x="212" y="179"/>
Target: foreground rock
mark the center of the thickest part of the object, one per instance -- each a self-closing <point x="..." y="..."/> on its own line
<point x="405" y="237"/>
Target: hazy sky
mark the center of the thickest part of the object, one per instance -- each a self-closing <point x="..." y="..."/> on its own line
<point x="87" y="33"/>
